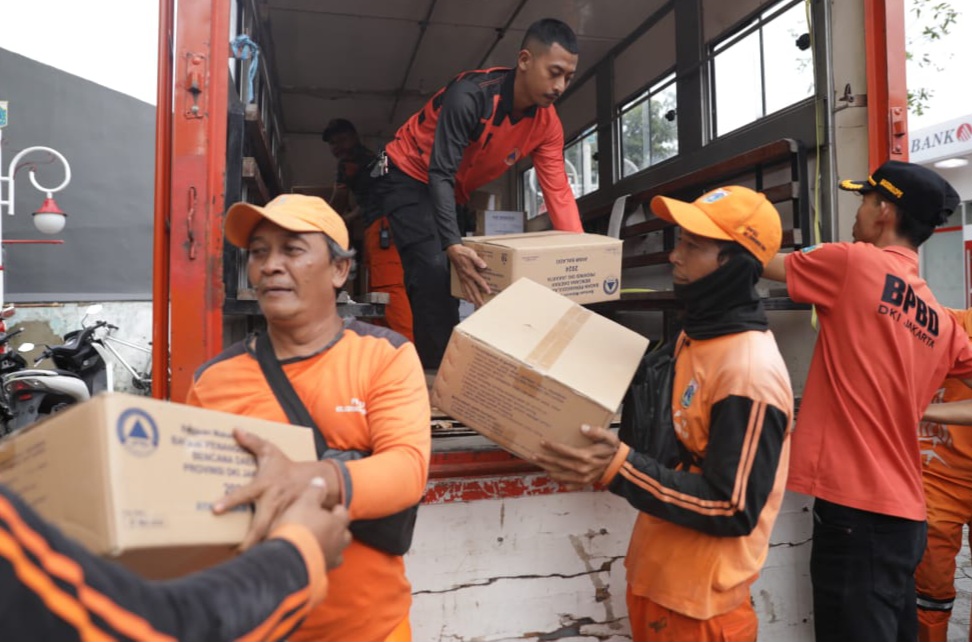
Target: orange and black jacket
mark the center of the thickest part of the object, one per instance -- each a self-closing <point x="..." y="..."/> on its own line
<point x="466" y="136"/>
<point x="731" y="406"/>
<point x="52" y="588"/>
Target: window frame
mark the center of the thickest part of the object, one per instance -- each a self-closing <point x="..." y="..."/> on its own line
<point x="757" y="23"/>
<point x="659" y="84"/>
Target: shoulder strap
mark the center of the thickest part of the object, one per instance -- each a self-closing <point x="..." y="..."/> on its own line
<point x="296" y="411"/>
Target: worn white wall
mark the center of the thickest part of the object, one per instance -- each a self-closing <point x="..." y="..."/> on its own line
<point x="551" y="567"/>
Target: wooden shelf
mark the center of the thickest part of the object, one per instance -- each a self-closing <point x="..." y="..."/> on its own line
<point x="260" y="146"/>
<point x="258" y="191"/>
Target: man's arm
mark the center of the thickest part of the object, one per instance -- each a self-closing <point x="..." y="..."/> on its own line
<point x="776" y="269"/>
<point x="724" y="499"/>
<point x="53" y="588"/>
<point x="548" y="161"/>
<point x="458" y="117"/>
<point x="394" y="476"/>
<point x="953" y="413"/>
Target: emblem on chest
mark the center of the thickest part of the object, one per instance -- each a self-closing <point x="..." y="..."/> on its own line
<point x="689" y="393"/>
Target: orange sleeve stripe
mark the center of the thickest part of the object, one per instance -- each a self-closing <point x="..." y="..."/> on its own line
<point x="669" y="496"/>
<point x="293" y="601"/>
<point x="63" y="567"/>
<point x="60" y="603"/>
<point x="754" y="430"/>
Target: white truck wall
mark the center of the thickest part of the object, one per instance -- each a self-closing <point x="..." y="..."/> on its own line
<point x="551" y="567"/>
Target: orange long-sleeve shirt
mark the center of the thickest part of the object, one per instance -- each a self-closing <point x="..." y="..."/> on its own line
<point x="366" y="391"/>
<point x="466" y="136"/>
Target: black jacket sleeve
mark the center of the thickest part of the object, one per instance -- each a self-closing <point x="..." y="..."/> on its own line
<point x="458" y="118"/>
<point x="52" y="588"/>
<point x="726" y="497"/>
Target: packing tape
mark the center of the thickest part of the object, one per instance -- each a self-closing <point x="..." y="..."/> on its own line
<point x="546" y="353"/>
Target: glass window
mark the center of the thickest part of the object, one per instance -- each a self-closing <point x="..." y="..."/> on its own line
<point x="580" y="162"/>
<point x="762" y="68"/>
<point x="649" y="128"/>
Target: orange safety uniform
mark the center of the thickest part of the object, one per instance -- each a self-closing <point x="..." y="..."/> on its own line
<point x="702" y="533"/>
<point x="385" y="274"/>
<point x="466" y="135"/>
<point x="365" y="391"/>
<point x="946" y="459"/>
<point x="52" y="588"/>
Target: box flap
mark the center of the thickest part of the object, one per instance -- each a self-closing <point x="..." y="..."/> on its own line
<point x="588" y="353"/>
<point x="543" y="240"/>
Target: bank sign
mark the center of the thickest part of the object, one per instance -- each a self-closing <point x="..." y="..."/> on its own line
<point x="952" y="138"/>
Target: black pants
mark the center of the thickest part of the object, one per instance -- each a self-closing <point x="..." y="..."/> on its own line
<point x="863" y="570"/>
<point x="435" y="312"/>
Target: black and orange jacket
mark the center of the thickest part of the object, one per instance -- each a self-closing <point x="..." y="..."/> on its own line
<point x="366" y="391"/>
<point x="703" y="533"/>
<point x="52" y="588"/>
<point x="465" y="136"/>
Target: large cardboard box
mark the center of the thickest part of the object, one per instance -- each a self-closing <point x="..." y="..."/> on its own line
<point x="532" y="365"/>
<point x="135" y="478"/>
<point x="583" y="267"/>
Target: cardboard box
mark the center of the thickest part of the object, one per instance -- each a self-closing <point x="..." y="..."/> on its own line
<point x="483" y="200"/>
<point x="533" y="365"/>
<point x="135" y="478"/>
<point x="583" y="267"/>
<point x="499" y="222"/>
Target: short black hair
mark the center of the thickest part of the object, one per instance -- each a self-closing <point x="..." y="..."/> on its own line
<point x="914" y="228"/>
<point x="550" y="31"/>
<point x="338" y="126"/>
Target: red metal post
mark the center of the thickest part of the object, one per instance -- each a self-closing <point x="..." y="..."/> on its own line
<point x="198" y="188"/>
<point x="887" y="90"/>
<point x="163" y="185"/>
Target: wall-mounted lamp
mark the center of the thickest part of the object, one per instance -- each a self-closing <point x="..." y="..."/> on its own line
<point x="50" y="218"/>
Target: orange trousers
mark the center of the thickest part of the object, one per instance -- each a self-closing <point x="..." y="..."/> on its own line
<point x="385" y="274"/>
<point x="949" y="509"/>
<point x="651" y="621"/>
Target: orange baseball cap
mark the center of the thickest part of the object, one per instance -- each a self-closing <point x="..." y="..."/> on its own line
<point x="294" y="212"/>
<point x="732" y="213"/>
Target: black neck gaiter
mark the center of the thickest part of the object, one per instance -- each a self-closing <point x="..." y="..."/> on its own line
<point x="724" y="302"/>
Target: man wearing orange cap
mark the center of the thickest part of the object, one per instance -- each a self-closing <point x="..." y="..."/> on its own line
<point x="884" y="346"/>
<point x="703" y="530"/>
<point x="362" y="386"/>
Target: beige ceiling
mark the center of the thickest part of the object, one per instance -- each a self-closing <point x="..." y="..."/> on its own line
<point x="371" y="61"/>
<point x="376" y="62"/>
